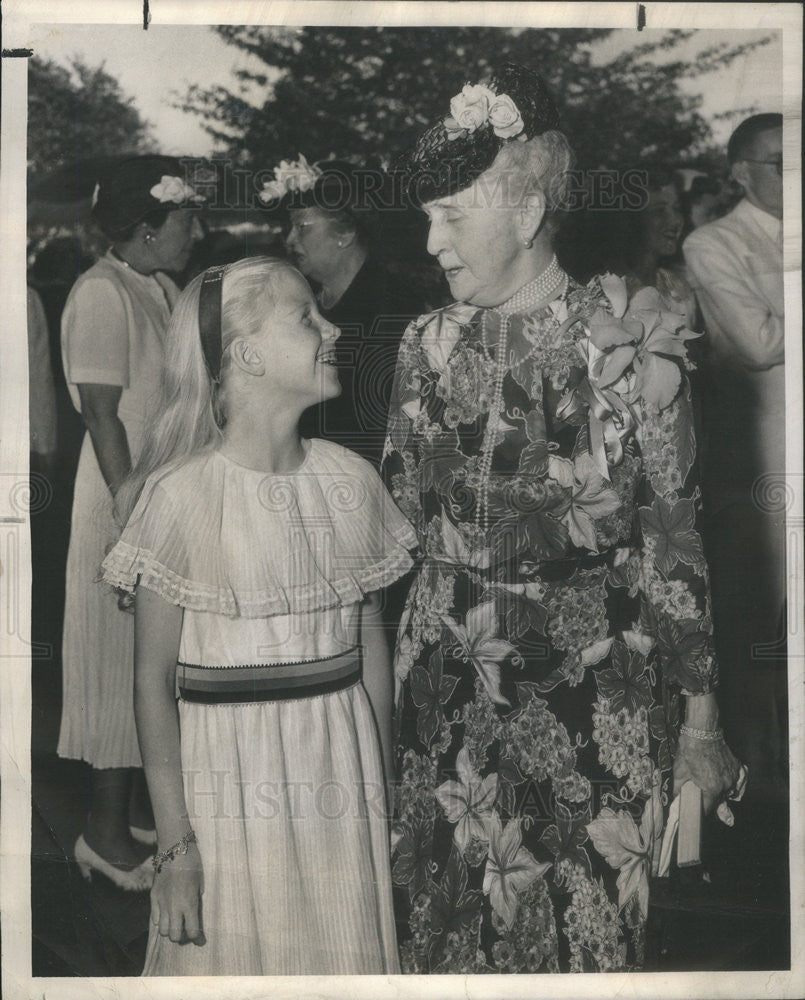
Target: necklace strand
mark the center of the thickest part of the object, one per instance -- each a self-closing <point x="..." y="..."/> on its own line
<point x="527" y="298"/>
<point x="488" y="446"/>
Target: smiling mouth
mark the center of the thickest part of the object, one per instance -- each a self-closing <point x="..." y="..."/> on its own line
<point x="451" y="272"/>
<point x="327" y="358"/>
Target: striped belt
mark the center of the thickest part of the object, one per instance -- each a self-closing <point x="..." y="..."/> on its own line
<point x="268" y="682"/>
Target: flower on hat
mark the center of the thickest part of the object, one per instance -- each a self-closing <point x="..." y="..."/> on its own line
<point x="477" y="106"/>
<point x="504" y="117"/>
<point x="470" y="108"/>
<point x="174" y="189"/>
<point x="290" y="175"/>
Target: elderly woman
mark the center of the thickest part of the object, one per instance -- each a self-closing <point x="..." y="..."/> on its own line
<point x="559" y="626"/>
<point x="332" y="234"/>
<point x="113" y="329"/>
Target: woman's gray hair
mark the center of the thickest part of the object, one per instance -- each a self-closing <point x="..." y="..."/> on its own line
<point x="540" y="164"/>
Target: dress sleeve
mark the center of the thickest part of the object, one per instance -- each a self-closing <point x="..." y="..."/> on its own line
<point x="95" y="338"/>
<point x="373" y="536"/>
<point x="674" y="580"/>
<point x="399" y="466"/>
<point x="152" y="550"/>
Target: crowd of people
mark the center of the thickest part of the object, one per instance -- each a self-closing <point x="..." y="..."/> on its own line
<point x="389" y="639"/>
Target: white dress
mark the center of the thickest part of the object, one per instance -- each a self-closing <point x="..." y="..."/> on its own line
<point x="285" y="792"/>
<point x="113" y="330"/>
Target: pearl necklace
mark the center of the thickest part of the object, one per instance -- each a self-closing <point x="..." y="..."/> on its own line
<point x="488" y="446"/>
<point x="526" y="299"/>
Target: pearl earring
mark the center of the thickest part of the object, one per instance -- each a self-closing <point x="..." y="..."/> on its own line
<point x="148" y="238"/>
<point x="528" y="244"/>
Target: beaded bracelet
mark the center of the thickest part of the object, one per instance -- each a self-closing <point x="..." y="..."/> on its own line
<point x="708" y="735"/>
<point x="163" y="857"/>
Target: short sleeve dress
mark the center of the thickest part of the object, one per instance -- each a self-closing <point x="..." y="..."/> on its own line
<point x="545" y="451"/>
<point x="282" y="769"/>
<point x="113" y="330"/>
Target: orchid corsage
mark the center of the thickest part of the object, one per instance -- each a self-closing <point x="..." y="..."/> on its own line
<point x="633" y="352"/>
<point x="290" y="176"/>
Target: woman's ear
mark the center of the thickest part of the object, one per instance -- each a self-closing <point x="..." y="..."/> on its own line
<point x="531" y="214"/>
<point x="346" y="237"/>
<point x="247" y="357"/>
<point x="145" y="233"/>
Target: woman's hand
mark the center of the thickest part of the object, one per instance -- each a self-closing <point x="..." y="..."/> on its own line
<point x="176" y="898"/>
<point x="711" y="765"/>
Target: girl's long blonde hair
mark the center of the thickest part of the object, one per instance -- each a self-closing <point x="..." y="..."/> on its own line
<point x="190" y="412"/>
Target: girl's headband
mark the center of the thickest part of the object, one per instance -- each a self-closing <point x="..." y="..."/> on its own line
<point x="209" y="319"/>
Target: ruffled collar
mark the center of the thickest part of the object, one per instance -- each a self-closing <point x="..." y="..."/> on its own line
<point x="213" y="535"/>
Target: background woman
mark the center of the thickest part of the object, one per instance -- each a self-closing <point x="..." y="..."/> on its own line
<point x="113" y="331"/>
<point x="559" y="626"/>
<point x="642" y="245"/>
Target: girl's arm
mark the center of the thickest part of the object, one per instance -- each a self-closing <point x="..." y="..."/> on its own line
<point x="378" y="680"/>
<point x="176" y="893"/>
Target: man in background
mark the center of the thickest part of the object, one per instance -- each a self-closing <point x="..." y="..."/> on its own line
<point x="735" y="265"/>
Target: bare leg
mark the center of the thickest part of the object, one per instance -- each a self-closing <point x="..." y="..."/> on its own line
<point x="140" y="812"/>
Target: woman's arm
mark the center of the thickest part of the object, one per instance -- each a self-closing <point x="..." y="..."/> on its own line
<point x="676" y="591"/>
<point x="378" y="680"/>
<point x="176" y="893"/>
<point x="99" y="405"/>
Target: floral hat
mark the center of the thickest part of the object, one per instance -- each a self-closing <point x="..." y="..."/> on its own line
<point x="135" y="187"/>
<point x="332" y="185"/>
<point x="513" y="105"/>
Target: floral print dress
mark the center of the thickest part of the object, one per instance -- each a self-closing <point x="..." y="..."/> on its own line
<point x="561" y="607"/>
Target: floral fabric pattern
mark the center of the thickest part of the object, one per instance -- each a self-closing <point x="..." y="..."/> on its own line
<point x="544" y="647"/>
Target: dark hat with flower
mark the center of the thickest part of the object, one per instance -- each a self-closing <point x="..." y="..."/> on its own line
<point x="512" y="105"/>
<point x="335" y="186"/>
<point x="133" y="189"/>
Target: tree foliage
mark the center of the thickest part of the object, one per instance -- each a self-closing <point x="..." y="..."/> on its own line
<point x="369" y="91"/>
<point x="78" y="113"/>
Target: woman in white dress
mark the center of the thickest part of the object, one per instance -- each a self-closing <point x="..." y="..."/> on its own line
<point x="256" y="557"/>
<point x="113" y="331"/>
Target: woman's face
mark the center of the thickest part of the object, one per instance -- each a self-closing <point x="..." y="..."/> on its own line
<point x="312" y="242"/>
<point x="173" y="242"/>
<point x="299" y="344"/>
<point x="662" y="222"/>
<point x="475" y="237"/>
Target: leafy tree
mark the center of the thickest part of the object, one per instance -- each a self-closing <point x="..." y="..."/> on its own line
<point x="78" y="113"/>
<point x="370" y="91"/>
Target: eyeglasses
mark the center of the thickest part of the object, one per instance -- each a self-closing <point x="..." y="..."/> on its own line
<point x="769" y="163"/>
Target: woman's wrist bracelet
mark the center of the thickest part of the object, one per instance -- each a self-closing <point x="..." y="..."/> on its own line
<point x="163" y="857"/>
<point x="708" y="735"/>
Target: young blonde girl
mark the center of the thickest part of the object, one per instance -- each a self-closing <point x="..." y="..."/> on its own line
<point x="262" y="680"/>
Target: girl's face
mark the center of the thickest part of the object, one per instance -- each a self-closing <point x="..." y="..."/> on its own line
<point x="299" y="344"/>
